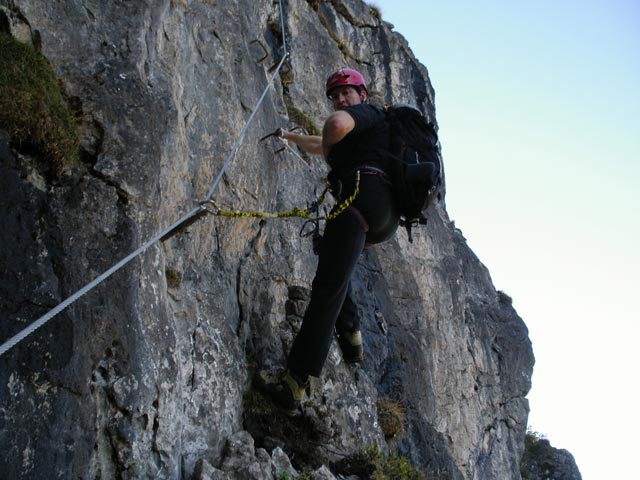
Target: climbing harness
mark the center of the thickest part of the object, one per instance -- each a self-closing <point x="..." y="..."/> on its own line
<point x="188" y="218"/>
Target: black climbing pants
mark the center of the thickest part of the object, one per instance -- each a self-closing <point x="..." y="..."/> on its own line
<point x="372" y="218"/>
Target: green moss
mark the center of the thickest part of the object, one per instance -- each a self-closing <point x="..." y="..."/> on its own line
<point x="255" y="403"/>
<point x="32" y="106"/>
<point x="300" y="118"/>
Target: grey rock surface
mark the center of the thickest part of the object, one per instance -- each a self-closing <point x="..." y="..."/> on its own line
<point x="541" y="461"/>
<point x="149" y="374"/>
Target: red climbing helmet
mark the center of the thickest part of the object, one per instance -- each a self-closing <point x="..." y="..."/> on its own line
<point x="345" y="77"/>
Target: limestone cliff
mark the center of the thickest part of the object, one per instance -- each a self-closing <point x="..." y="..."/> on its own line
<point x="542" y="461"/>
<point x="149" y="374"/>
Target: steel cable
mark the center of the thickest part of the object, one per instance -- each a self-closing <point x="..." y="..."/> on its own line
<point x="14" y="340"/>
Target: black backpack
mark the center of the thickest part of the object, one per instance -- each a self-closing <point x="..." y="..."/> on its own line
<point x="417" y="174"/>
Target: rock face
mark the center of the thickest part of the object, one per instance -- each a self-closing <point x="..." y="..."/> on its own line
<point x="149" y="374"/>
<point x="541" y="461"/>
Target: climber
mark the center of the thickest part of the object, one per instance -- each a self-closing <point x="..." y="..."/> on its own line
<point x="354" y="138"/>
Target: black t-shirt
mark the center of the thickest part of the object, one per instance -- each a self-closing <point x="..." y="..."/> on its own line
<point x="366" y="144"/>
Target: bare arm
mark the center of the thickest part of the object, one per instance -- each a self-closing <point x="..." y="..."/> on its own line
<point x="337" y="126"/>
<point x="309" y="143"/>
<point x="335" y="129"/>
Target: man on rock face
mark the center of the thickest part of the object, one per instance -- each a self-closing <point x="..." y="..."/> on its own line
<point x="354" y="143"/>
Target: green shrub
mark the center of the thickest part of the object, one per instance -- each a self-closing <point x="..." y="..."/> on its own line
<point x="392" y="467"/>
<point x="504" y="298"/>
<point x="32" y="106"/>
<point x="537" y="453"/>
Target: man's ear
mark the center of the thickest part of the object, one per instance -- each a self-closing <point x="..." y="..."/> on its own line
<point x="363" y="95"/>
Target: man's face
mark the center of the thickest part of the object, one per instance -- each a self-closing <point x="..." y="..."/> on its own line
<point x="343" y="97"/>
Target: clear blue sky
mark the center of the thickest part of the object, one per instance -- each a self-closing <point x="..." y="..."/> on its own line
<point x="538" y="105"/>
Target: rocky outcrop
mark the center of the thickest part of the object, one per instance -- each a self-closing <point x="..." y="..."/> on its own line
<point x="149" y="374"/>
<point x="541" y="461"/>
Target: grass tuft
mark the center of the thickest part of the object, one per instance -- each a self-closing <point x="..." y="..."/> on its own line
<point x="32" y="106"/>
<point x="391" y="417"/>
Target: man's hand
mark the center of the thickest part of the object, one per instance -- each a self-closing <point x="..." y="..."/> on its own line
<point x="309" y="143"/>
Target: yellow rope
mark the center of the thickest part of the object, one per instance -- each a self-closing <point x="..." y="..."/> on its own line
<point x="294" y="212"/>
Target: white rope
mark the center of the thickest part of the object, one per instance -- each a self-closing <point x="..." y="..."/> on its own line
<point x="13" y="341"/>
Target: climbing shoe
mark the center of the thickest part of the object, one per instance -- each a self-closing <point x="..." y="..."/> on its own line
<point x="287" y="391"/>
<point x="351" y="346"/>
